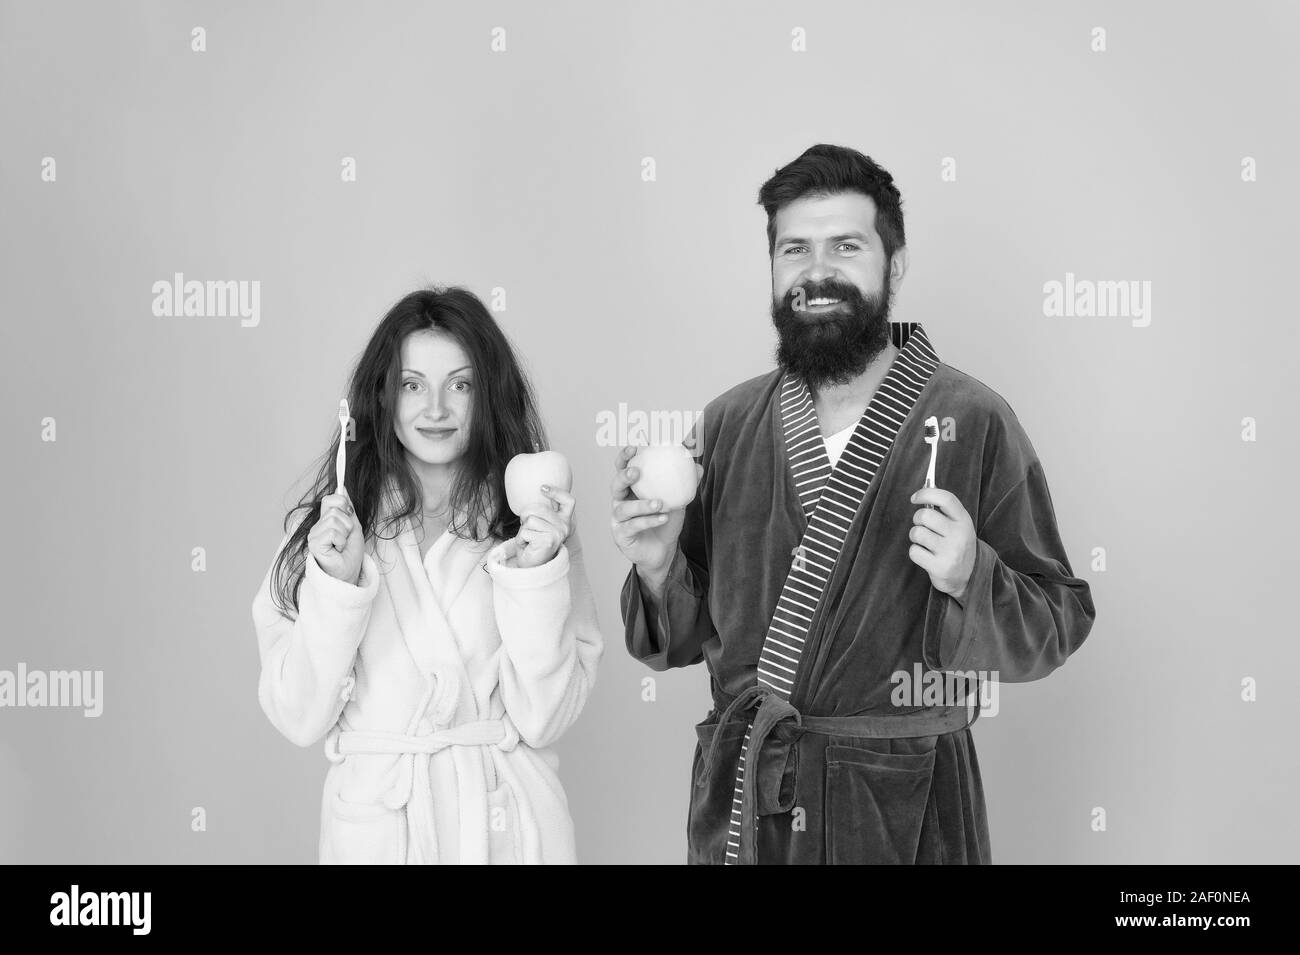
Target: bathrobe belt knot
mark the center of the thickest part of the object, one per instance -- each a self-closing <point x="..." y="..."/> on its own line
<point x="768" y="784"/>
<point x="414" y="786"/>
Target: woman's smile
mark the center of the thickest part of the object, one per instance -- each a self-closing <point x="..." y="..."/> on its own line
<point x="436" y="434"/>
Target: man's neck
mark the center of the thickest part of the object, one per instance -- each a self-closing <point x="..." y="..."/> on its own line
<point x="838" y="406"/>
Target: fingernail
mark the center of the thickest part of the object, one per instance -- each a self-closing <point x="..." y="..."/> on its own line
<point x="656" y="504"/>
<point x="546" y="487"/>
<point x="913" y="498"/>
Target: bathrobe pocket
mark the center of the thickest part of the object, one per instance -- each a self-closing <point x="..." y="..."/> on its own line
<point x="503" y="827"/>
<point x="876" y="805"/>
<point x="709" y="816"/>
<point x="364" y="833"/>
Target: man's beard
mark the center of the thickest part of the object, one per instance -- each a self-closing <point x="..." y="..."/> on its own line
<point x="835" y="347"/>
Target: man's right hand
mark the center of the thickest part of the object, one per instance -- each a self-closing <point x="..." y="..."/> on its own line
<point x="644" y="532"/>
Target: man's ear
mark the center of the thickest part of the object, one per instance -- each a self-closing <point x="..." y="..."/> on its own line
<point x="898" y="267"/>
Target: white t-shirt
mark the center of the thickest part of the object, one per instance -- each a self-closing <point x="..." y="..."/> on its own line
<point x="836" y="443"/>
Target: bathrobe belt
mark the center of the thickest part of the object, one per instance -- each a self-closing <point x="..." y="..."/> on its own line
<point x="415" y="788"/>
<point x="770" y="761"/>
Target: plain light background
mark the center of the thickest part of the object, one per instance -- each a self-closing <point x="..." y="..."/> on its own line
<point x="522" y="170"/>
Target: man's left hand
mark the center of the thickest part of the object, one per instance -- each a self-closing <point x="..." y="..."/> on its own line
<point x="943" y="541"/>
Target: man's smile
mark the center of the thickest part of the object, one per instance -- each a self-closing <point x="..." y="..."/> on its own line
<point x="823" y="306"/>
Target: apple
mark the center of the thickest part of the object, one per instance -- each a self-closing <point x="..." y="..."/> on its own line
<point x="666" y="472"/>
<point x="525" y="475"/>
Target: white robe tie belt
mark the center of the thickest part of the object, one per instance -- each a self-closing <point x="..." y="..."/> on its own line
<point x="500" y="733"/>
<point x="414" y="788"/>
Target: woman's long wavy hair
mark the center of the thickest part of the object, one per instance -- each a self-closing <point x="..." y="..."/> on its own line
<point x="503" y="422"/>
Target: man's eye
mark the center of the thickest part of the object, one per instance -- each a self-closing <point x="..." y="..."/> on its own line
<point x="794" y="248"/>
<point x="848" y="245"/>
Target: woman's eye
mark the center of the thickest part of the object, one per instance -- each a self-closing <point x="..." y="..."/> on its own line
<point x="461" y="381"/>
<point x="415" y="383"/>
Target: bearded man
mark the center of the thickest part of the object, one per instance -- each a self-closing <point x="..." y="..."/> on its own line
<point x="821" y="574"/>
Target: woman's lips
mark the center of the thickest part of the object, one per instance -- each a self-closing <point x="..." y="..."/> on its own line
<point x="436" y="434"/>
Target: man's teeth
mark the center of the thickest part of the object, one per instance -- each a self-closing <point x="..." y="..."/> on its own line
<point x="823" y="301"/>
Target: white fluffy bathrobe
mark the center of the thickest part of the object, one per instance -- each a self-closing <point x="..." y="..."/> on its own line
<point x="439" y="686"/>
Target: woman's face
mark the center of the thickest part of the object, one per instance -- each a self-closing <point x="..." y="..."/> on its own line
<point x="434" y="399"/>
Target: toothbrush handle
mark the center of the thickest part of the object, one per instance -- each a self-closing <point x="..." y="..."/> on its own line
<point x="929" y="474"/>
<point x="340" y="463"/>
<point x="929" y="483"/>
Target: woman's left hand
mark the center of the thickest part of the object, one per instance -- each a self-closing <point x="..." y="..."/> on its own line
<point x="541" y="532"/>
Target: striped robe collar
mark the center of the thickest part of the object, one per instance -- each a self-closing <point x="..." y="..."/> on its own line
<point x="871" y="440"/>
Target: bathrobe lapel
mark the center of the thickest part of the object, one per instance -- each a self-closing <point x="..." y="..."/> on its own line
<point x="424" y="591"/>
<point x="830" y="498"/>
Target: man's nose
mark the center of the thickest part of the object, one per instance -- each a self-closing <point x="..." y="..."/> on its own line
<point x="819" y="269"/>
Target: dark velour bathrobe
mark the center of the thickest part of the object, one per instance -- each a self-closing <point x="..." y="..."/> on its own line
<point x="792" y="581"/>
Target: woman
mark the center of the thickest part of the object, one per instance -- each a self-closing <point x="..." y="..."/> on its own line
<point x="437" y="642"/>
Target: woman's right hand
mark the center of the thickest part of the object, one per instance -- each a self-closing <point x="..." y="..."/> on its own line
<point x="336" y="540"/>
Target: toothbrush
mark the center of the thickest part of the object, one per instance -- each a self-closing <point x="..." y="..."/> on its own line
<point x="340" y="461"/>
<point x="932" y="439"/>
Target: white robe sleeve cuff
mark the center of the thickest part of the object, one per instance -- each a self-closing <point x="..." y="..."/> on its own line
<point x="525" y="578"/>
<point x="339" y="593"/>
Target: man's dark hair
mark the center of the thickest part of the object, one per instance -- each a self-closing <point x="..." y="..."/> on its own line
<point x="825" y="170"/>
